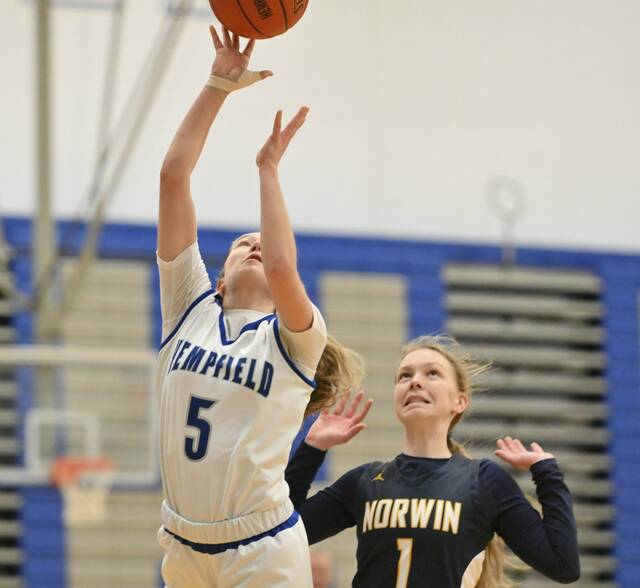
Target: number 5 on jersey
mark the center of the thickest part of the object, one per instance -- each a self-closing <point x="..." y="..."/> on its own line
<point x="196" y="447"/>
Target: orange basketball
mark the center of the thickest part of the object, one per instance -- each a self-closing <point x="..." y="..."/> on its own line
<point x="258" y="19"/>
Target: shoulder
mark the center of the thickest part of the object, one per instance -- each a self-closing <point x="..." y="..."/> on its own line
<point x="188" y="256"/>
<point x="317" y="331"/>
<point x="492" y="474"/>
<point x="365" y="472"/>
<point x="497" y="483"/>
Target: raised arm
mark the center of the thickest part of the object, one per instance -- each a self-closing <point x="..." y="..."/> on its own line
<point x="330" y="428"/>
<point x="279" y="256"/>
<point x="177" y="219"/>
<point x="548" y="543"/>
<point x="331" y="510"/>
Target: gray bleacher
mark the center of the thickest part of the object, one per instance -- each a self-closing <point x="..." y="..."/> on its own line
<point x="541" y="328"/>
<point x="542" y="331"/>
<point x="113" y="310"/>
<point x="10" y="528"/>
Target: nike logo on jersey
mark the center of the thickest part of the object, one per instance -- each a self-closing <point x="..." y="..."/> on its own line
<point x="415" y="513"/>
<point x="379" y="478"/>
<point x="250" y="373"/>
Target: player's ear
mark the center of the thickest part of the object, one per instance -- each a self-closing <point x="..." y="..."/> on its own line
<point x="461" y="404"/>
<point x="220" y="287"/>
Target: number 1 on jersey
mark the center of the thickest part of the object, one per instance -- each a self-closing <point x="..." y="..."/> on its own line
<point x="196" y="451"/>
<point x="404" y="562"/>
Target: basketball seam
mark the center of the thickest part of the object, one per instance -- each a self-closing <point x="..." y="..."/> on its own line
<point x="246" y="16"/>
<point x="284" y="13"/>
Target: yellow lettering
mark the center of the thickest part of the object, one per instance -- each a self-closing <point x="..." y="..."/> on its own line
<point x="437" y="518"/>
<point x="421" y="512"/>
<point x="369" y="509"/>
<point x="451" y="516"/>
<point x="381" y="520"/>
<point x="399" y="513"/>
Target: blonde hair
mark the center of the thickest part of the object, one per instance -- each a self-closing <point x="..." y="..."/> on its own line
<point x="467" y="369"/>
<point x="340" y="369"/>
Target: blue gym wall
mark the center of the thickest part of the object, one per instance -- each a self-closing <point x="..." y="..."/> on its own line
<point x="420" y="262"/>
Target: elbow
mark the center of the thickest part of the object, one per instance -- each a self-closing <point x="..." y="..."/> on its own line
<point x="568" y="574"/>
<point x="174" y="170"/>
<point x="568" y="578"/>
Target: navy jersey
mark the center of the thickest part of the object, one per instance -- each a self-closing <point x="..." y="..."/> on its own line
<point x="415" y="528"/>
<point x="426" y="522"/>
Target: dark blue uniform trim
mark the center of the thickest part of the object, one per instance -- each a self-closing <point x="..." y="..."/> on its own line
<point x="292" y="365"/>
<point x="248" y="327"/>
<point x="214" y="548"/>
<point x="195" y="303"/>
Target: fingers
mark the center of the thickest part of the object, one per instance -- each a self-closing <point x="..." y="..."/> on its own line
<point x="227" y="37"/>
<point x="248" y="50"/>
<point x="296" y="122"/>
<point x="236" y="42"/>
<point x="217" y="43"/>
<point x="354" y="405"/>
<point x="520" y="446"/>
<point x="364" y="411"/>
<point x="266" y="73"/>
<point x="277" y="123"/>
<point x="502" y="454"/>
<point x="511" y="444"/>
<point x="516" y="446"/>
<point x="343" y="401"/>
<point x="353" y="431"/>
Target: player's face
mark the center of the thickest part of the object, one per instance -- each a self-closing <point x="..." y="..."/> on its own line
<point x="243" y="267"/>
<point x="427" y="389"/>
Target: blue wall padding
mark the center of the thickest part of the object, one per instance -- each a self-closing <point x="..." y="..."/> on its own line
<point x="421" y="264"/>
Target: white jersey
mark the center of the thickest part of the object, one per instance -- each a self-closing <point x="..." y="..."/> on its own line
<point x="232" y="398"/>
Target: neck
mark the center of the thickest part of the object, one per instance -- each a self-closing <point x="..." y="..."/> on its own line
<point x="431" y="442"/>
<point x="248" y="299"/>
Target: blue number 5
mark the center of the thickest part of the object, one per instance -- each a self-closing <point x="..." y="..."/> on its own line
<point x="193" y="451"/>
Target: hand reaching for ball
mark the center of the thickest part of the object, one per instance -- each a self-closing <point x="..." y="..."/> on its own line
<point x="230" y="62"/>
<point x="273" y="150"/>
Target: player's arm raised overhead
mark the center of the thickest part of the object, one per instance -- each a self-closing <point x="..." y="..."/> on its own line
<point x="278" y="247"/>
<point x="177" y="219"/>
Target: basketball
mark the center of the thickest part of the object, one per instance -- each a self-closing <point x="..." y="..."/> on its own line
<point x="258" y="19"/>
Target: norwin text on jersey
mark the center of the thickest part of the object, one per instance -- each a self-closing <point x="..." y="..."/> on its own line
<point x="416" y="529"/>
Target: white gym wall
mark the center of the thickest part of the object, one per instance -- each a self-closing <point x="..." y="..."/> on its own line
<point x="416" y="104"/>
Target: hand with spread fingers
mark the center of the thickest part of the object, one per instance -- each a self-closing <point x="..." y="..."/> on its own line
<point x="339" y="426"/>
<point x="273" y="150"/>
<point x="515" y="453"/>
<point x="229" y="70"/>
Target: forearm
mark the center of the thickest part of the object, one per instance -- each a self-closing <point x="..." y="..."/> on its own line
<point x="546" y="543"/>
<point x="301" y="471"/>
<point x="323" y="517"/>
<point x="189" y="140"/>
<point x="277" y="242"/>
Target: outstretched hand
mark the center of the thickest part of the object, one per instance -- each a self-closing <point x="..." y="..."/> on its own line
<point x="339" y="426"/>
<point x="515" y="453"/>
<point x="230" y="62"/>
<point x="277" y="143"/>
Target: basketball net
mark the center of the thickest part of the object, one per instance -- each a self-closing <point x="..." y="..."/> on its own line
<point x="84" y="483"/>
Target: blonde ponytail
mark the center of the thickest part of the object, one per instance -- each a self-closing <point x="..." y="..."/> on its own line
<point x="340" y="369"/>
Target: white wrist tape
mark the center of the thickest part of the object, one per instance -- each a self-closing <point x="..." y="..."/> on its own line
<point x="226" y="85"/>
